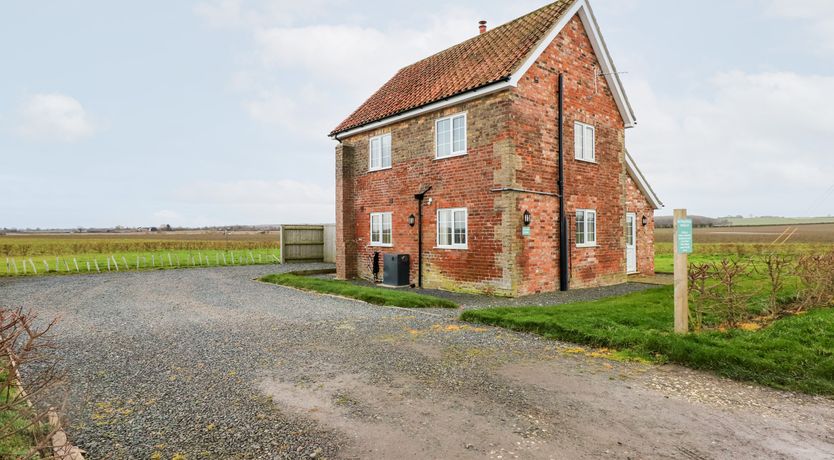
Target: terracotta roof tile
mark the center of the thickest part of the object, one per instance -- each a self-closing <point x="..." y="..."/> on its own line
<point x="482" y="60"/>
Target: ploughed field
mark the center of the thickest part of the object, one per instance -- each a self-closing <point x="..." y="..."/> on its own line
<point x="715" y="243"/>
<point x="28" y="254"/>
<point x="759" y="234"/>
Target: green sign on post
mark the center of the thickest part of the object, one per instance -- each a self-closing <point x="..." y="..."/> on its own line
<point x="684" y="227"/>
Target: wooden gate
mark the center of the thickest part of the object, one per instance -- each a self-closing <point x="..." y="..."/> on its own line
<point x="306" y="243"/>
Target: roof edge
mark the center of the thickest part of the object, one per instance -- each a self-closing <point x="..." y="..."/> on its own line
<point x="642" y="183"/>
<point x="592" y="29"/>
<point x="474" y="93"/>
<point x="607" y="67"/>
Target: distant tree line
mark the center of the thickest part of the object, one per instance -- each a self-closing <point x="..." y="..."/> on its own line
<point x="697" y="221"/>
<point x="159" y="228"/>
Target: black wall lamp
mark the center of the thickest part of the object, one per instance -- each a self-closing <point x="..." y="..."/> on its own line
<point x="411" y="220"/>
<point x="645" y="221"/>
<point x="527" y="218"/>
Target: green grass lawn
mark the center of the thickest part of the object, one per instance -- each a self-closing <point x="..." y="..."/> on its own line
<point x="21" y="440"/>
<point x="714" y="252"/>
<point x="793" y="353"/>
<point x="374" y="295"/>
<point x="148" y="260"/>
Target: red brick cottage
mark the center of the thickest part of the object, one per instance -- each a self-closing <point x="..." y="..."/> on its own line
<point x="466" y="145"/>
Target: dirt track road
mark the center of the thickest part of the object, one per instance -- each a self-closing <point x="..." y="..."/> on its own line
<point x="211" y="364"/>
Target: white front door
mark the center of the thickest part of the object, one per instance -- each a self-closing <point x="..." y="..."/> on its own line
<point x="631" y="243"/>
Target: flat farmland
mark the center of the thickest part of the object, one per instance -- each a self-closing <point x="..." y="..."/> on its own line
<point x="31" y="254"/>
<point x="715" y="243"/>
<point x="760" y="234"/>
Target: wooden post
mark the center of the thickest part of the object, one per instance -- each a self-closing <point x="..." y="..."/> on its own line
<point x="681" y="279"/>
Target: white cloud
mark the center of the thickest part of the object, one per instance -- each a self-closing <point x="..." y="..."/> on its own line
<point x="760" y="143"/>
<point x="360" y="57"/>
<point x="221" y="13"/>
<point x="818" y="13"/>
<point x="166" y="216"/>
<point x="260" y="201"/>
<point x="306" y="78"/>
<point x="54" y="117"/>
<point x="307" y="111"/>
<point x="237" y="13"/>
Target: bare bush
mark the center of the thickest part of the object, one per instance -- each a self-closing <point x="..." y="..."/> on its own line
<point x="816" y="276"/>
<point x="700" y="294"/>
<point x="24" y="349"/>
<point x="775" y="267"/>
<point x="731" y="301"/>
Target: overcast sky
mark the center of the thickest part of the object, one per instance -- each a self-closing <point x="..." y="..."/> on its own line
<point x="216" y="112"/>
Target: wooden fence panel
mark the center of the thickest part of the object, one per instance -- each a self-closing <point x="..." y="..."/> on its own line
<point x="330" y="243"/>
<point x="306" y="243"/>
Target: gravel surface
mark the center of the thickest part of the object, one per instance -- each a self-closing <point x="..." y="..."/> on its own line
<point x="209" y="363"/>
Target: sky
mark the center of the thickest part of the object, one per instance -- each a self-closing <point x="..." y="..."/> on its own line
<point x="216" y="112"/>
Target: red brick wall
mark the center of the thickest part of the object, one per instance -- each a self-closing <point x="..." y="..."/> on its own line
<point x="637" y="203"/>
<point x="457" y="182"/>
<point x="599" y="186"/>
<point x="345" y="223"/>
<point x="512" y="142"/>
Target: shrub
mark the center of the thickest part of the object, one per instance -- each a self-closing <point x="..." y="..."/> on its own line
<point x="23" y="347"/>
<point x="700" y="295"/>
<point x="816" y="276"/>
<point x="731" y="301"/>
<point x="775" y="267"/>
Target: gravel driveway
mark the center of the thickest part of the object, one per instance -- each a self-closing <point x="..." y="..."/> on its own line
<point x="211" y="364"/>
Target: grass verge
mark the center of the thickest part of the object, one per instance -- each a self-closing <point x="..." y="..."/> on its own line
<point x="793" y="353"/>
<point x="19" y="439"/>
<point x="714" y="252"/>
<point x="132" y="261"/>
<point x="377" y="296"/>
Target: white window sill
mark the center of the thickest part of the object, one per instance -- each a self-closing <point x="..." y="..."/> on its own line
<point x="459" y="248"/>
<point x="378" y="169"/>
<point x="593" y="162"/>
<point x="380" y="245"/>
<point x="452" y="155"/>
<point x="592" y="245"/>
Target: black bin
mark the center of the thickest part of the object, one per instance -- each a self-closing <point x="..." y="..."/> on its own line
<point x="395" y="270"/>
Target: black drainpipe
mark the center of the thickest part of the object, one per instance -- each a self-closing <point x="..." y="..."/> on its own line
<point x="419" y="197"/>
<point x="564" y="280"/>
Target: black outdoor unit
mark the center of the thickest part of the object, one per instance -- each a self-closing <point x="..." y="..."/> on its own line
<point x="395" y="270"/>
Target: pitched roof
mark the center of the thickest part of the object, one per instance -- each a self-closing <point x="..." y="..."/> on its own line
<point x="642" y="183"/>
<point x="485" y="59"/>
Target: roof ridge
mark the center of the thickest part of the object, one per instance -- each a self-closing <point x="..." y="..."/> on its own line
<point x="476" y="62"/>
<point x="489" y="31"/>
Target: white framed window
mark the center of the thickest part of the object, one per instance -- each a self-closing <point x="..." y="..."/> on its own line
<point x="450" y="136"/>
<point x="584" y="142"/>
<point x="586" y="228"/>
<point x="452" y="231"/>
<point x="381" y="229"/>
<point x="380" y="152"/>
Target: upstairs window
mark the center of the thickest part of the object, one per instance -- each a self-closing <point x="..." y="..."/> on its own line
<point x="380" y="152"/>
<point x="450" y="138"/>
<point x="452" y="228"/>
<point x="584" y="142"/>
<point x="586" y="228"/>
<point x="381" y="229"/>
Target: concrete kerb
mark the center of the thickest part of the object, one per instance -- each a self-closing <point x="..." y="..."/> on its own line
<point x="62" y="448"/>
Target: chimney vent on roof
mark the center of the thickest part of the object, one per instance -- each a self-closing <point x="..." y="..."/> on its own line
<point x="482" y="26"/>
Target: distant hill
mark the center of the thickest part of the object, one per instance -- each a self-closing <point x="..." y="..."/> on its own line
<point x="697" y="221"/>
<point x="775" y="220"/>
<point x="740" y="221"/>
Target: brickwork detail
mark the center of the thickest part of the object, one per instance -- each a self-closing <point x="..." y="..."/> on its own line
<point x="512" y="140"/>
